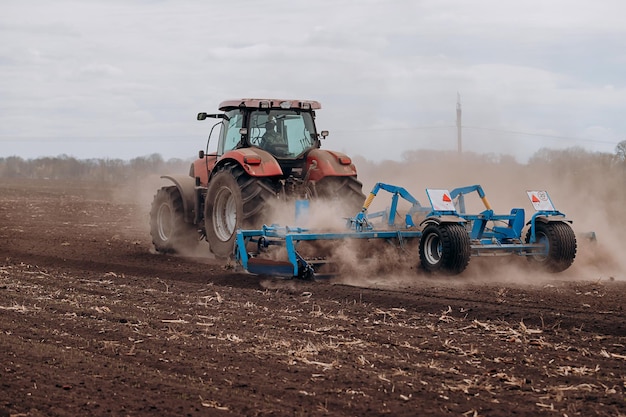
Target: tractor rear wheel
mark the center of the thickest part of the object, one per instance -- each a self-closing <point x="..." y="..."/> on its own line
<point x="560" y="246"/>
<point x="170" y="233"/>
<point x="444" y="248"/>
<point x="234" y="200"/>
<point x="347" y="190"/>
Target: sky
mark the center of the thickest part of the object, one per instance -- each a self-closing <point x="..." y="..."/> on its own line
<point x="125" y="79"/>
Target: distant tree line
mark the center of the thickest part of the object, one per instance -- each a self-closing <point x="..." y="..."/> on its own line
<point x="576" y="161"/>
<point x="109" y="170"/>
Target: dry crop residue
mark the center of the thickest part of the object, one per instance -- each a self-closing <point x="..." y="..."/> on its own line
<point x="93" y="323"/>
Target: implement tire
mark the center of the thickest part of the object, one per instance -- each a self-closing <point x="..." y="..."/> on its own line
<point x="234" y="200"/>
<point x="168" y="229"/>
<point x="444" y="248"/>
<point x="560" y="242"/>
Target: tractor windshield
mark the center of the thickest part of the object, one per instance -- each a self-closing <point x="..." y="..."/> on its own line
<point x="284" y="133"/>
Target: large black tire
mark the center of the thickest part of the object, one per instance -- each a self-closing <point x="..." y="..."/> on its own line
<point x="347" y="190"/>
<point x="170" y="233"/>
<point x="444" y="248"/>
<point x="561" y="246"/>
<point x="234" y="200"/>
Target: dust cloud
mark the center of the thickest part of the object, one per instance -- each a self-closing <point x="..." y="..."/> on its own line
<point x="140" y="193"/>
<point x="589" y="188"/>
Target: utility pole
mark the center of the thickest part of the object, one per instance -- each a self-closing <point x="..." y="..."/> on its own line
<point x="458" y="123"/>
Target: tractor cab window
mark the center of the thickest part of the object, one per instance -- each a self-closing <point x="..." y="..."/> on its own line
<point x="230" y="136"/>
<point x="283" y="133"/>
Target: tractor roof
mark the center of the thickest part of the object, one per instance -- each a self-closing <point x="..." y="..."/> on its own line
<point x="269" y="103"/>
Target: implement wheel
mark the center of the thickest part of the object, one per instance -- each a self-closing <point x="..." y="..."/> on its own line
<point x="444" y="248"/>
<point x="170" y="233"/>
<point x="560" y="246"/>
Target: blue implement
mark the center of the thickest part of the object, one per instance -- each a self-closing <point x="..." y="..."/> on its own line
<point x="448" y="235"/>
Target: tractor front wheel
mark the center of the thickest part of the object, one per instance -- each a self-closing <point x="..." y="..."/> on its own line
<point x="444" y="248"/>
<point x="168" y="229"/>
<point x="559" y="243"/>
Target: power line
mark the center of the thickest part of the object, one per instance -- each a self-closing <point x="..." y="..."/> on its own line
<point x="99" y="138"/>
<point x="179" y="137"/>
<point x="539" y="135"/>
<point x="392" y="129"/>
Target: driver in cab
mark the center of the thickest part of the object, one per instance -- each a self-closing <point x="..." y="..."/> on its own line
<point x="271" y="138"/>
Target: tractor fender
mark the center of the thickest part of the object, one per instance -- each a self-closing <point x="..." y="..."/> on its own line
<point x="202" y="167"/>
<point x="442" y="220"/>
<point x="549" y="219"/>
<point x="186" y="186"/>
<point x="321" y="163"/>
<point x="255" y="161"/>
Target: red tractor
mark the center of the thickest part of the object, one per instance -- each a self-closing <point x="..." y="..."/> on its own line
<point x="268" y="149"/>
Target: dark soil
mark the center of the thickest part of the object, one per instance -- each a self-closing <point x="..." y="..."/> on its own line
<point x="93" y="323"/>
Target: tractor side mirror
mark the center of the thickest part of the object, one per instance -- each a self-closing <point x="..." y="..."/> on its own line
<point x="201" y="116"/>
<point x="324" y="133"/>
<point x="201" y="154"/>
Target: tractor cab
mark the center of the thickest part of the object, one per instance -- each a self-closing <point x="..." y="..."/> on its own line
<point x="285" y="129"/>
<point x="281" y="134"/>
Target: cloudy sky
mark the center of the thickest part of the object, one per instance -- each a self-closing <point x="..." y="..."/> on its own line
<point x="121" y="79"/>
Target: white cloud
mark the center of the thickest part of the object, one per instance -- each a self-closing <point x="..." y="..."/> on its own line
<point x="122" y="72"/>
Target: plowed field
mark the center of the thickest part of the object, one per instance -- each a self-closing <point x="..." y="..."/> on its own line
<point x="93" y="323"/>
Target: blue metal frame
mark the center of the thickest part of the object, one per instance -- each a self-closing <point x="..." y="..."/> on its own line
<point x="515" y="221"/>
<point x="484" y="241"/>
<point x="290" y="237"/>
